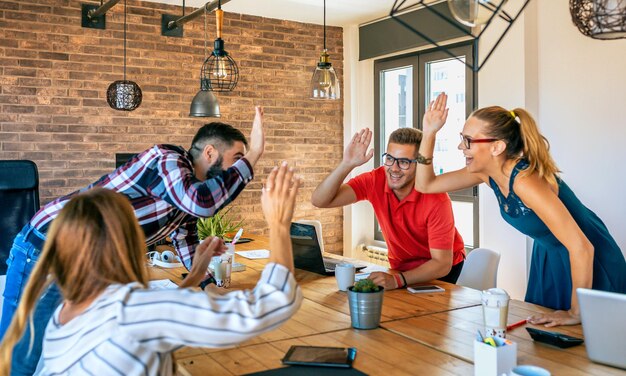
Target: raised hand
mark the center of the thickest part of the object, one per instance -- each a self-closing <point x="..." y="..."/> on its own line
<point x="257" y="137"/>
<point x="356" y="152"/>
<point x="436" y="114"/>
<point x="211" y="246"/>
<point x="278" y="197"/>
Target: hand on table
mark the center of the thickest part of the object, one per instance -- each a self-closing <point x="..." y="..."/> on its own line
<point x="383" y="279"/>
<point x="555" y="318"/>
<point x="211" y="246"/>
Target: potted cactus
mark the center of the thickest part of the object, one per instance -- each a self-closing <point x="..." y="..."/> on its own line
<point x="365" y="299"/>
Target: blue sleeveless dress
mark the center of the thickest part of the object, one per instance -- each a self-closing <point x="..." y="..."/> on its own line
<point x="550" y="282"/>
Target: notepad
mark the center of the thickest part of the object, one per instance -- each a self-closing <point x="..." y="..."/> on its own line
<point x="254" y="254"/>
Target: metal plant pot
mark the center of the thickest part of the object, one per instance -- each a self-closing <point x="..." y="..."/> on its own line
<point x="365" y="308"/>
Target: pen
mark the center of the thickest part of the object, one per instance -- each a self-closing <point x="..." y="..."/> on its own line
<point x="515" y="325"/>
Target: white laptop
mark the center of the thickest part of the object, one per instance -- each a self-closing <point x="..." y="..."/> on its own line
<point x="602" y="315"/>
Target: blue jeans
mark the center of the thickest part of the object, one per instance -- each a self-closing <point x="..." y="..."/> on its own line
<point x="21" y="263"/>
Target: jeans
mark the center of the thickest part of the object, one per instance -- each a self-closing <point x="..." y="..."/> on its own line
<point x="21" y="263"/>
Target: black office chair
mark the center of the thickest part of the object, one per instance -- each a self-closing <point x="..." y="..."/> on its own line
<point x="19" y="201"/>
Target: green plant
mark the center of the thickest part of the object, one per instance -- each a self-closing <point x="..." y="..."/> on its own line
<point x="365" y="285"/>
<point x="218" y="225"/>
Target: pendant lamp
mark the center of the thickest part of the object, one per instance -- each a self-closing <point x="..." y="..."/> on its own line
<point x="205" y="103"/>
<point x="599" y="19"/>
<point x="324" y="83"/>
<point x="219" y="69"/>
<point x="124" y="95"/>
<point x="474" y="12"/>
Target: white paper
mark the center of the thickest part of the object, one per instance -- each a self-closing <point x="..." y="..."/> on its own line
<point x="162" y="284"/>
<point x="254" y="254"/>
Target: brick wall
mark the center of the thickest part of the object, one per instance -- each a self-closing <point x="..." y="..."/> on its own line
<point x="54" y="75"/>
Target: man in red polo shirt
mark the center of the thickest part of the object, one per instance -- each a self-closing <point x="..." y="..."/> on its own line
<point x="422" y="241"/>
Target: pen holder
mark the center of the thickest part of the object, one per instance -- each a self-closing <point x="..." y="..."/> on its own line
<point x="494" y="361"/>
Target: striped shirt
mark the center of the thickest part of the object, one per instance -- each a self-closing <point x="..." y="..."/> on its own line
<point x="165" y="194"/>
<point x="129" y="330"/>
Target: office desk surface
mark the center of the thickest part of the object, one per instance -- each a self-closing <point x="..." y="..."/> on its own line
<point x="419" y="334"/>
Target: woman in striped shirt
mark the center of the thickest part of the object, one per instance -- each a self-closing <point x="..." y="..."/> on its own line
<point x="110" y="323"/>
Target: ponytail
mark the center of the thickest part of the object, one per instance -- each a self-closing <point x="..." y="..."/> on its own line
<point x="522" y="138"/>
<point x="536" y="149"/>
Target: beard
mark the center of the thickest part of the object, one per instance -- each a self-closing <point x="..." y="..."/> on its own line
<point x="216" y="169"/>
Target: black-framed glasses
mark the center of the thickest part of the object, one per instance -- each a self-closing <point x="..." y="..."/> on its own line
<point x="403" y="163"/>
<point x="467" y="142"/>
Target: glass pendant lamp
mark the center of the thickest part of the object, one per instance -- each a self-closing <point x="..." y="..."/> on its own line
<point x="324" y="83"/>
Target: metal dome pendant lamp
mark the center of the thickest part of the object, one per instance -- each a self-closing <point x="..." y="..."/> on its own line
<point x="324" y="83"/>
<point x="599" y="19"/>
<point x="205" y="103"/>
<point x="219" y="69"/>
<point x="124" y="95"/>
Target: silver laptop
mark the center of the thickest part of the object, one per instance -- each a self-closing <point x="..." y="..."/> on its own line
<point x="602" y="315"/>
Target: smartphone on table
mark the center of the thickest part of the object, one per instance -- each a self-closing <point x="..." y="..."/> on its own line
<point x="418" y="289"/>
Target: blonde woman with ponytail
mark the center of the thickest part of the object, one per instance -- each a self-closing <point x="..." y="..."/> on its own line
<point x="572" y="246"/>
<point x="110" y="323"/>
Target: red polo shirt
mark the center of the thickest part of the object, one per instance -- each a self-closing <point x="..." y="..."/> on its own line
<point x="412" y="226"/>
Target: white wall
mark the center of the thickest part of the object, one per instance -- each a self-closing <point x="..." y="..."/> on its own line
<point x="575" y="87"/>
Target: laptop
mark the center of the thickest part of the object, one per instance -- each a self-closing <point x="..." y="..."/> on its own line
<point x="307" y="244"/>
<point x="603" y="326"/>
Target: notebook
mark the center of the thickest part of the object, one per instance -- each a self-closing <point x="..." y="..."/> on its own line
<point x="307" y="244"/>
<point x="603" y="326"/>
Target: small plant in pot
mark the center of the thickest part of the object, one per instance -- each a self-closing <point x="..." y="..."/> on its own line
<point x="222" y="225"/>
<point x="365" y="299"/>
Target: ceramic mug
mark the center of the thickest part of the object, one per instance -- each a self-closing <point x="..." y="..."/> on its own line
<point x="527" y="370"/>
<point x="344" y="273"/>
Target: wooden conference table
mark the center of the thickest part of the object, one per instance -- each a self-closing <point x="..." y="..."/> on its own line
<point x="420" y="334"/>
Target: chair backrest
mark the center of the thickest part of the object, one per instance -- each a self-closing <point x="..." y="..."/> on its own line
<point x="480" y="270"/>
<point x="19" y="201"/>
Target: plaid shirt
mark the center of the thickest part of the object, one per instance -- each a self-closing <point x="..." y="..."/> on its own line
<point x="167" y="197"/>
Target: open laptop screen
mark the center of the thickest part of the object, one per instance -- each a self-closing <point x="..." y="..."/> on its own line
<point x="307" y="254"/>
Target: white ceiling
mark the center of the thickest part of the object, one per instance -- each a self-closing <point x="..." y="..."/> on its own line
<point x="338" y="12"/>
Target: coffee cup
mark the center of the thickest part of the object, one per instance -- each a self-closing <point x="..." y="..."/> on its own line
<point x="527" y="370"/>
<point x="344" y="273"/>
<point x="495" y="311"/>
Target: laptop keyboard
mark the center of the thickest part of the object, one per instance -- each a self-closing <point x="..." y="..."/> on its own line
<point x="329" y="265"/>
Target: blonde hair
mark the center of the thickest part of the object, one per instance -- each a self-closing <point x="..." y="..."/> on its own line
<point x="522" y="139"/>
<point x="94" y="242"/>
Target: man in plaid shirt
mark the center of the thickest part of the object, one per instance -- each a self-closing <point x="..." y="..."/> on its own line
<point x="169" y="189"/>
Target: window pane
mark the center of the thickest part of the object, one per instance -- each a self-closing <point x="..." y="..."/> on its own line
<point x="464" y="220"/>
<point x="448" y="75"/>
<point x="396" y="86"/>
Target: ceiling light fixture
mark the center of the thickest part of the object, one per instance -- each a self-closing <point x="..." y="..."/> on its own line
<point x="124" y="95"/>
<point x="219" y="69"/>
<point x="324" y="83"/>
<point x="204" y="103"/>
<point x="599" y="19"/>
<point x="475" y="14"/>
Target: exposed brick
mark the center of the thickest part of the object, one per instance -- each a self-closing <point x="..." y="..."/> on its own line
<point x="54" y="76"/>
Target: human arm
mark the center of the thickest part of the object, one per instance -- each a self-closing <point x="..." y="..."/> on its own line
<point x="539" y="196"/>
<point x="437" y="267"/>
<point x="331" y="193"/>
<point x="211" y="246"/>
<point x="278" y="199"/>
<point x="426" y="181"/>
<point x="257" y="137"/>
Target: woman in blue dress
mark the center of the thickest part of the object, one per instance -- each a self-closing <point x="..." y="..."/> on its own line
<point x="572" y="246"/>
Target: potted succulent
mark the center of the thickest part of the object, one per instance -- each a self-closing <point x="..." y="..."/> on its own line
<point x="221" y="225"/>
<point x="365" y="299"/>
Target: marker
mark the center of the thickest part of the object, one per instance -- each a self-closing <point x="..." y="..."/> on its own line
<point x="237" y="236"/>
<point x="515" y="325"/>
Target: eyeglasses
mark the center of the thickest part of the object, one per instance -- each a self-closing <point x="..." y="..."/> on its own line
<point x="403" y="163"/>
<point x="467" y="142"/>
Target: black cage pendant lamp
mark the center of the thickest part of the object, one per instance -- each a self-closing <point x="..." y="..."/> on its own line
<point x="599" y="19"/>
<point x="219" y="69"/>
<point x="124" y="95"/>
<point x="205" y="103"/>
<point x="324" y="83"/>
